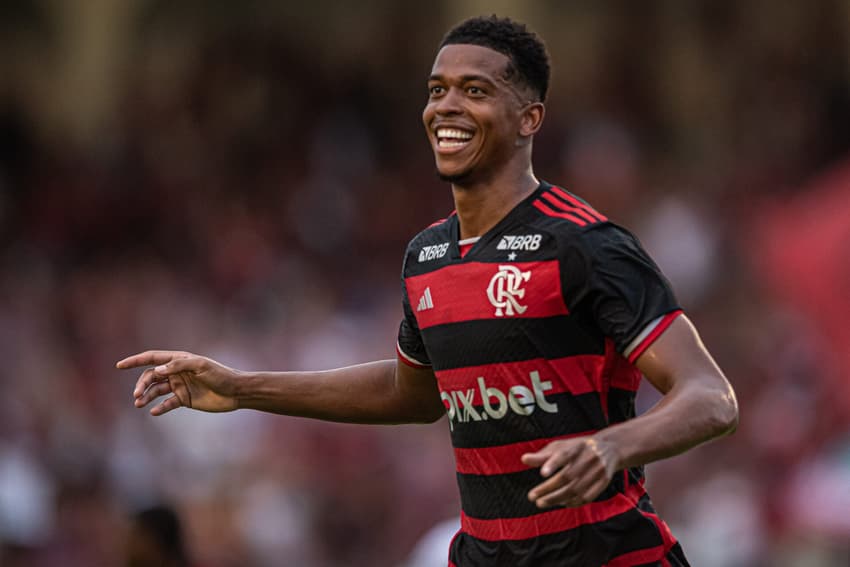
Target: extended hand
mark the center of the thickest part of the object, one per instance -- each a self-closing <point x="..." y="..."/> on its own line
<point x="577" y="471"/>
<point x="195" y="381"/>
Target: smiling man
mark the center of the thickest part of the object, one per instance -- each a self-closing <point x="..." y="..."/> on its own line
<point x="529" y="319"/>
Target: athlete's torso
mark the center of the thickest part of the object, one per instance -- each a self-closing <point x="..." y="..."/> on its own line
<point x="520" y="361"/>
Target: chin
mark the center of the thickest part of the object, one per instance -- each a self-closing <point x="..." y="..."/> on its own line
<point x="454" y="176"/>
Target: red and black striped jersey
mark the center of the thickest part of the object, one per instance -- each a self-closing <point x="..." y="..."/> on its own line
<point x="532" y="335"/>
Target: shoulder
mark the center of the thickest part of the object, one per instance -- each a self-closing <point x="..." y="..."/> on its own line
<point x="430" y="243"/>
<point x="560" y="208"/>
<point x="575" y="223"/>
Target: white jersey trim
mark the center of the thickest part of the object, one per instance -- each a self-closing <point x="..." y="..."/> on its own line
<point x="466" y="241"/>
<point x="409" y="358"/>
<point x="642" y="335"/>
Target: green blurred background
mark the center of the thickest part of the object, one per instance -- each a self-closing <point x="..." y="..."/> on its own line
<point x="240" y="179"/>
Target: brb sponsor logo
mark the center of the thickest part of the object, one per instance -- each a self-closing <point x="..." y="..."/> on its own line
<point x="433" y="252"/>
<point x="522" y="400"/>
<point x="522" y="242"/>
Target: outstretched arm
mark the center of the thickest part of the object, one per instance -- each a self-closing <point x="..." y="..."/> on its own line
<point x="386" y="391"/>
<point x="698" y="405"/>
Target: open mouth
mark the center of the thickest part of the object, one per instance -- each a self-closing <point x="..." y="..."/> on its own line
<point x="452" y="138"/>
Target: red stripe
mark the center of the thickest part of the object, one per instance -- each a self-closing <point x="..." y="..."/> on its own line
<point x="624" y="375"/>
<point x="460" y="292"/>
<point x="576" y="375"/>
<point x="407" y="360"/>
<point x="553" y="521"/>
<point x="666" y="535"/>
<point x="548" y="211"/>
<point x="568" y="208"/>
<point x="639" y="557"/>
<point x="579" y="203"/>
<point x="656" y="332"/>
<point x="502" y="459"/>
<point x="664" y="529"/>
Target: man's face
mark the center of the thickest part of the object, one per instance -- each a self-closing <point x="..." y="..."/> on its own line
<point x="473" y="113"/>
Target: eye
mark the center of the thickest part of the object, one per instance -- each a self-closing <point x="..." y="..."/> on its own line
<point x="475" y="91"/>
<point x="436" y="90"/>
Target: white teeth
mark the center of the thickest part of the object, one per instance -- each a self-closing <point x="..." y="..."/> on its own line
<point x="453" y="133"/>
<point x="450" y="144"/>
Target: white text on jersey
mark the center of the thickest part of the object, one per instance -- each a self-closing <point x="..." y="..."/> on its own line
<point x="522" y="242"/>
<point x="522" y="400"/>
<point x="433" y="252"/>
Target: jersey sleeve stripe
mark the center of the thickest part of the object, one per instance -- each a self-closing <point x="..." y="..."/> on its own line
<point x="539" y="205"/>
<point x="578" y="203"/>
<point x="560" y="205"/>
<point x="649" y="334"/>
<point x="551" y="521"/>
<point x="409" y="360"/>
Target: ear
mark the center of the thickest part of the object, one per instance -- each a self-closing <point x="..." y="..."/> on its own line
<point x="531" y="119"/>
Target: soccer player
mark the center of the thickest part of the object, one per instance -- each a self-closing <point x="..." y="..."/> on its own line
<point x="529" y="319"/>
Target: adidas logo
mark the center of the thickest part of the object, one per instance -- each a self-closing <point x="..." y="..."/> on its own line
<point x="425" y="302"/>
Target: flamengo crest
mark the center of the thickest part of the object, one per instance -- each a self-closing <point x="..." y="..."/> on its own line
<point x="504" y="291"/>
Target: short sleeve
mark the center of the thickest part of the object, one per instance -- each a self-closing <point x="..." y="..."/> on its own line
<point x="410" y="347"/>
<point x="613" y="283"/>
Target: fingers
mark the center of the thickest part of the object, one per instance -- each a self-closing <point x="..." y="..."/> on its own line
<point x="536" y="459"/>
<point x="149" y="358"/>
<point x="574" y="473"/>
<point x="144" y="382"/>
<point x="188" y="363"/>
<point x="156" y="390"/>
<point x="168" y="404"/>
<point x="577" y="492"/>
<point x="550" y="458"/>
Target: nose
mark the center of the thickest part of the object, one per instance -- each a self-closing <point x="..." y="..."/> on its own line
<point x="449" y="103"/>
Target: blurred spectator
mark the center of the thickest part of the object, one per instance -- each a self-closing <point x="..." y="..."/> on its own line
<point x="155" y="539"/>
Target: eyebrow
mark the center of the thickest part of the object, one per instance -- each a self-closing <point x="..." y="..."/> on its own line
<point x="464" y="78"/>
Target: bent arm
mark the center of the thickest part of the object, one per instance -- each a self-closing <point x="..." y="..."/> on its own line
<point x="698" y="404"/>
<point x="386" y="391"/>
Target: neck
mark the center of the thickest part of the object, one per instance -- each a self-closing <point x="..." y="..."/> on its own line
<point x="480" y="206"/>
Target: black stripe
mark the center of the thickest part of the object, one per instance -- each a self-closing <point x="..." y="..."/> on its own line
<point x="505" y="495"/>
<point x="576" y="414"/>
<point x="490" y="341"/>
<point x="587" y="545"/>
<point x="621" y="405"/>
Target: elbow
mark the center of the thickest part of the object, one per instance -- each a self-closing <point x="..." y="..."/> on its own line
<point x="724" y="415"/>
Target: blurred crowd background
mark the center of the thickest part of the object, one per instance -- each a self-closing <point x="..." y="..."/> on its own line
<point x="240" y="179"/>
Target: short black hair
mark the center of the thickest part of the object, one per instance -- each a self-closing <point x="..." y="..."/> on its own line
<point x="529" y="64"/>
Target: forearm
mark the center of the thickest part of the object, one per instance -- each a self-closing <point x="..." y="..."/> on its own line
<point x="687" y="416"/>
<point x="365" y="393"/>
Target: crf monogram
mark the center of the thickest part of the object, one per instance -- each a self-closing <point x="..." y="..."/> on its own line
<point x="504" y="290"/>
